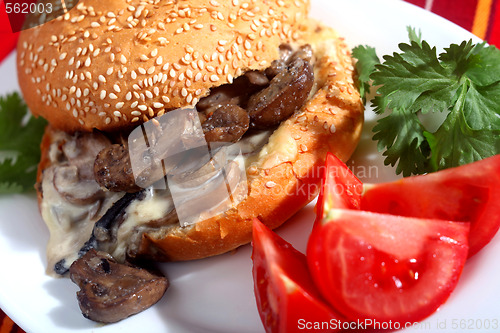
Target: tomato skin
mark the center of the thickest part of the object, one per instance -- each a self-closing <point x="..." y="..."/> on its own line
<point x="384" y="267"/>
<point x="340" y="188"/>
<point x="285" y="293"/>
<point x="468" y="193"/>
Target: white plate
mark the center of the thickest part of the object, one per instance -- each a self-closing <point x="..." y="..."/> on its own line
<point x="216" y="294"/>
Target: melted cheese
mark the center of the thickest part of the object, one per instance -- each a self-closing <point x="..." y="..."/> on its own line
<point x="70" y="225"/>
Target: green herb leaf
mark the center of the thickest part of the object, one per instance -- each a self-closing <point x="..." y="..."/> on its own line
<point x="414" y="36"/>
<point x="463" y="81"/>
<point x="402" y="135"/>
<point x="20" y="139"/>
<point x="367" y="59"/>
<point x="415" y="80"/>
<point x="486" y="69"/>
<point x="456" y="143"/>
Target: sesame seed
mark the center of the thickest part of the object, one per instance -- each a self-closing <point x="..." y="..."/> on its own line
<point x="301" y="119"/>
<point x="119" y="105"/>
<point x="142" y="107"/>
<point x="133" y="105"/>
<point x="158" y="105"/>
<point x="135" y="113"/>
<point x="116" y="87"/>
<point x="165" y="99"/>
<point x="117" y="114"/>
<point x="112" y="96"/>
<point x="102" y="78"/>
<point x="214" y="78"/>
<point x="123" y="59"/>
<point x="159" y="60"/>
<point x="333" y="129"/>
<point x="270" y="184"/>
<point x="148" y="94"/>
<point x="109" y="71"/>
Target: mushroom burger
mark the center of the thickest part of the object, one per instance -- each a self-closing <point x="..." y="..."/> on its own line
<point x="257" y="75"/>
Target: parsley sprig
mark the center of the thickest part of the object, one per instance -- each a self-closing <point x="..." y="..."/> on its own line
<point x="463" y="81"/>
<point x="20" y="136"/>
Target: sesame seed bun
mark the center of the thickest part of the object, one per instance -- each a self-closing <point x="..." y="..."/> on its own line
<point x="285" y="175"/>
<point x="111" y="65"/>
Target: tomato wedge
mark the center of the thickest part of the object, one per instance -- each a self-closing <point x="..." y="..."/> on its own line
<point x="286" y="296"/>
<point x="469" y="193"/>
<point x="339" y="188"/>
<point x="384" y="267"/>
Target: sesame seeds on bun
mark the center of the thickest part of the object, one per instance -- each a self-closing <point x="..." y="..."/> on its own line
<point x="115" y="64"/>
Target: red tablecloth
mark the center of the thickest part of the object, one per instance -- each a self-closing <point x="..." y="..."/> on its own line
<point x="481" y="17"/>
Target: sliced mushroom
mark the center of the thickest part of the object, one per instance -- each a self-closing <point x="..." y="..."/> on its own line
<point x="82" y="151"/>
<point x="220" y="96"/>
<point x="280" y="65"/>
<point x="73" y="178"/>
<point x="78" y="191"/>
<point x="305" y="53"/>
<point x="257" y="78"/>
<point x="286" y="94"/>
<point x="236" y="93"/>
<point x="227" y="124"/>
<point x="110" y="292"/>
<point x="113" y="170"/>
